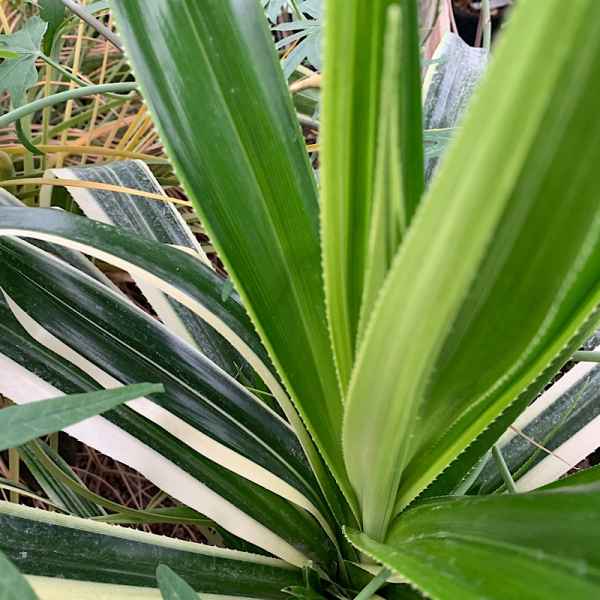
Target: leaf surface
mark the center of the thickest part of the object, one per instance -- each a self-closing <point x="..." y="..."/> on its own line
<point x="493" y="282"/>
<point x="497" y="547"/>
<point x="228" y="125"/>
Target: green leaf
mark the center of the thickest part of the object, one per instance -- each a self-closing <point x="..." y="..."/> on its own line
<point x="54" y="13"/>
<point x="19" y="424"/>
<point x="173" y="587"/>
<point x="153" y="220"/>
<point x="398" y="172"/>
<point x="256" y="196"/>
<point x="123" y="514"/>
<point x="220" y="448"/>
<point x="27" y="40"/>
<point x="583" y="477"/>
<point x="13" y="586"/>
<point x="352" y="91"/>
<point x="493" y="281"/>
<point x="42" y="543"/>
<point x="449" y="84"/>
<point x="61" y="495"/>
<point x="537" y="546"/>
<point x="17" y="75"/>
<point x="564" y="420"/>
<point x="123" y="340"/>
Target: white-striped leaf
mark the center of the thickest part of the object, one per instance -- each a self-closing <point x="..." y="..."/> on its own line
<point x="42" y="543"/>
<point x="152" y="220"/>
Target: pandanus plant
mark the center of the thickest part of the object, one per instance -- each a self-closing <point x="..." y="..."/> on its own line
<point x="386" y="334"/>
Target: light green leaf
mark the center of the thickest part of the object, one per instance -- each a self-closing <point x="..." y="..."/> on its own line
<point x="493" y="281"/>
<point x="399" y="169"/>
<point x="350" y="109"/>
<point x="352" y="92"/>
<point x="13" y="586"/>
<point x="172" y="586"/>
<point x="19" y="74"/>
<point x="19" y="424"/>
<point x="535" y="546"/>
<point x="256" y="196"/>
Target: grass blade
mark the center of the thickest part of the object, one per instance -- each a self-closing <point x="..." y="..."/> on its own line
<point x="20" y="424"/>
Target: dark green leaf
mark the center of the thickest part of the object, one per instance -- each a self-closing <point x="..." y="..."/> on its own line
<point x="88" y="319"/>
<point x="256" y="196"/>
<point x="159" y="221"/>
<point x="43" y="543"/>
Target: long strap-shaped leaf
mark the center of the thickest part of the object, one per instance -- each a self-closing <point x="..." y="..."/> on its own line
<point x="153" y="220"/>
<point x="43" y="543"/>
<point x="499" y="271"/>
<point x="534" y="546"/>
<point x="164" y="448"/>
<point x="351" y="120"/>
<point x="181" y="277"/>
<point x="224" y="422"/>
<point x="211" y="78"/>
<point x="553" y="435"/>
<point x="449" y="84"/>
<point x="242" y="508"/>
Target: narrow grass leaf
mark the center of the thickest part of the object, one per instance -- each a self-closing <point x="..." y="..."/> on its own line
<point x="173" y="587"/>
<point x="20" y="424"/>
<point x="13" y="586"/>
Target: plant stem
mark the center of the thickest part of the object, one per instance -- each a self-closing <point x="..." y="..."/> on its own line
<point x="487" y="24"/>
<point x="503" y="468"/>
<point x="471" y="476"/>
<point x="46" y="112"/>
<point x="587" y="356"/>
<point x="94" y="23"/>
<point x="14" y="465"/>
<point x="90" y="90"/>
<point x="373" y="585"/>
<point x="70" y="76"/>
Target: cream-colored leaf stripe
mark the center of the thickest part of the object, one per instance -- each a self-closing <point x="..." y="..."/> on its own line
<point x="22" y="386"/>
<point x="193" y="438"/>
